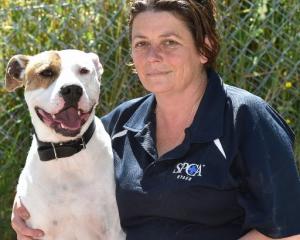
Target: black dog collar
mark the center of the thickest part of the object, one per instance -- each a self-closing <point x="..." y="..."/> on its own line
<point x="49" y="151"/>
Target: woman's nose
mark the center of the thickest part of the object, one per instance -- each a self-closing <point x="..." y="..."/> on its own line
<point x="154" y="54"/>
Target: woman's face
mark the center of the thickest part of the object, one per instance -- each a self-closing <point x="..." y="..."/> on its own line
<point x="164" y="53"/>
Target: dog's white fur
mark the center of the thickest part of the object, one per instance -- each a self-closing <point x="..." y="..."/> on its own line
<point x="74" y="197"/>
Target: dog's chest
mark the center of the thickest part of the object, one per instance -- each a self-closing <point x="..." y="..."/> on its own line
<point x="85" y="176"/>
<point x="74" y="196"/>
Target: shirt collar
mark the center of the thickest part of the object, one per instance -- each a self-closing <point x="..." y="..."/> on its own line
<point x="143" y="115"/>
<point x="208" y="121"/>
<point x="209" y="118"/>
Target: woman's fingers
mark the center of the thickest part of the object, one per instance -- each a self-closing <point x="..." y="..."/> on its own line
<point x="21" y="211"/>
<point x="24" y="238"/>
<point x="23" y="231"/>
<point x="18" y="217"/>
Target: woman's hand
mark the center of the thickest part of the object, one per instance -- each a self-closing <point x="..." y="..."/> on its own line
<point x="18" y="217"/>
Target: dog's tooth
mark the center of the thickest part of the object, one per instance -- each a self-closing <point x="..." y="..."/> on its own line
<point x="53" y="116"/>
<point x="79" y="113"/>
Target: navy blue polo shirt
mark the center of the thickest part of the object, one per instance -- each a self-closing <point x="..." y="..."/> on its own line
<point x="233" y="172"/>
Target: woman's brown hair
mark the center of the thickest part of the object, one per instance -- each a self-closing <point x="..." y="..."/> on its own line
<point x="199" y="16"/>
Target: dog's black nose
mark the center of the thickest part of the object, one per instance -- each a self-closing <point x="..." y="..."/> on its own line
<point x="71" y="94"/>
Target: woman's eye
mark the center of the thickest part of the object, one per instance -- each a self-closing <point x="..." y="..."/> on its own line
<point x="170" y="43"/>
<point x="140" y="44"/>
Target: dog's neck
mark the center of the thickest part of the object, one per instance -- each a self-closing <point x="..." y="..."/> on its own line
<point x="51" y="151"/>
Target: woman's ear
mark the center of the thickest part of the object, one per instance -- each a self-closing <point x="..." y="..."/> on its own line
<point x="203" y="58"/>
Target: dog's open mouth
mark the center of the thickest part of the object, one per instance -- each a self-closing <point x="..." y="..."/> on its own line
<point x="67" y="122"/>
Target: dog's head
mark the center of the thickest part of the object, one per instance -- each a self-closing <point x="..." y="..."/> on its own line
<point x="61" y="90"/>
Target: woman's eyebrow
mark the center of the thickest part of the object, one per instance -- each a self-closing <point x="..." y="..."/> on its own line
<point x="163" y="35"/>
<point x="138" y="36"/>
<point x="171" y="34"/>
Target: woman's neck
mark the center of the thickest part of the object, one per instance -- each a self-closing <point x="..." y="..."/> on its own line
<point x="179" y="105"/>
<point x="174" y="113"/>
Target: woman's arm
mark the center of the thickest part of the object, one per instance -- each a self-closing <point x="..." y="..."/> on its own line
<point x="18" y="217"/>
<point x="255" y="235"/>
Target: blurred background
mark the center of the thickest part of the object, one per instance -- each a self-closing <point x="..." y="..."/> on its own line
<point x="260" y="53"/>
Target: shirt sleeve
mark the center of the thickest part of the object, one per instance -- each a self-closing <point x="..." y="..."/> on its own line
<point x="270" y="195"/>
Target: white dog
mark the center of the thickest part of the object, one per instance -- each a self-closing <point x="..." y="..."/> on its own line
<point x="68" y="182"/>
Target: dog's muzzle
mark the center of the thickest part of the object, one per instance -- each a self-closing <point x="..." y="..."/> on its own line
<point x="69" y="120"/>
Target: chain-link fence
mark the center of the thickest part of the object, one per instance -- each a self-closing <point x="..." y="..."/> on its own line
<point x="260" y="52"/>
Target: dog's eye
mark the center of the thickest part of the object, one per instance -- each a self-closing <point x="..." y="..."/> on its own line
<point x="47" y="73"/>
<point x="83" y="71"/>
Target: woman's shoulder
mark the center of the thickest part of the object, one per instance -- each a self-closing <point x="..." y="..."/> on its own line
<point x="243" y="98"/>
<point x="252" y="111"/>
<point x="245" y="103"/>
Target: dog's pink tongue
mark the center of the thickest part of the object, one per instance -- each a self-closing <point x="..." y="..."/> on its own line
<point x="69" y="118"/>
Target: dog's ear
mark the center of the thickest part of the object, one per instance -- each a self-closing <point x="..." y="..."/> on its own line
<point x="97" y="63"/>
<point x="14" y="77"/>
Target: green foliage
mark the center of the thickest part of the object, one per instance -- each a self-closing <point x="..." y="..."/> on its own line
<point x="260" y="52"/>
<point x="14" y="147"/>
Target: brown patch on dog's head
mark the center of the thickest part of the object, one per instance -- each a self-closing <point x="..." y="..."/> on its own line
<point x="33" y="72"/>
<point x="42" y="70"/>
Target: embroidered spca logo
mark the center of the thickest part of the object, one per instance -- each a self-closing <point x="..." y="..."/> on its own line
<point x="186" y="171"/>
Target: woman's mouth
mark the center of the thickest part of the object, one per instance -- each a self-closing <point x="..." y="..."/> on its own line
<point x="157" y="73"/>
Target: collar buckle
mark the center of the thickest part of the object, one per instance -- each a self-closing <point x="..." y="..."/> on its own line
<point x="82" y="143"/>
<point x="54" y="150"/>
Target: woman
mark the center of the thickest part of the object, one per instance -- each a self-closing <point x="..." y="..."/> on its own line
<point x="195" y="159"/>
